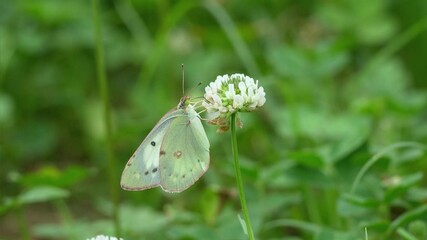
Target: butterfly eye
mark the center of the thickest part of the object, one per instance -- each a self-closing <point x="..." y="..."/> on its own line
<point x="153" y="143"/>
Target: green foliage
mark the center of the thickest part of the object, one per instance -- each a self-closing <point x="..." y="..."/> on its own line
<point x="338" y="147"/>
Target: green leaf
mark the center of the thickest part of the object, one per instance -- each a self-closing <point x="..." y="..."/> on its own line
<point x="401" y="185"/>
<point x="42" y="194"/>
<point x="361" y="201"/>
<point x="307" y="158"/>
<point x="51" y="175"/>
<point x="327" y="234"/>
<point x="349" y="210"/>
<point x="418" y="228"/>
<point x="142" y="220"/>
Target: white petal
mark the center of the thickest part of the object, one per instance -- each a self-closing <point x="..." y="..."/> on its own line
<point x="250" y="92"/>
<point x="238" y="101"/>
<point x="261" y="101"/>
<point x="242" y="87"/>
<point x="231" y="88"/>
<point x="213" y="85"/>
<point x="252" y="106"/>
<point x="208" y="96"/>
<point x="205" y="104"/>
<point x="213" y="115"/>
<point x="216" y="99"/>
<point x="230" y="93"/>
<point x="249" y="82"/>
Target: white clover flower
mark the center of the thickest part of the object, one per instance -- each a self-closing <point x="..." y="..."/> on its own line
<point x="231" y="94"/>
<point x="103" y="237"/>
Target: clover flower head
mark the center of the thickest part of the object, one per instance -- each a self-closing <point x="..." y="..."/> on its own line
<point x="103" y="237"/>
<point x="230" y="94"/>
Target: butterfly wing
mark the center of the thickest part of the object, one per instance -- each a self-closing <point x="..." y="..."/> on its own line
<point x="142" y="170"/>
<point x="184" y="152"/>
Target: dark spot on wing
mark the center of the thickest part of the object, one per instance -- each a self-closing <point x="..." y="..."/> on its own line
<point x="129" y="164"/>
<point x="183" y="176"/>
<point x="146" y="173"/>
<point x="191" y="170"/>
<point x="153" y="143"/>
<point x="162" y="152"/>
<point x="170" y="174"/>
<point x="154" y="170"/>
<point x="198" y="160"/>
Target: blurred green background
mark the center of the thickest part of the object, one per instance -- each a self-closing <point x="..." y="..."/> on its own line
<point x="346" y="89"/>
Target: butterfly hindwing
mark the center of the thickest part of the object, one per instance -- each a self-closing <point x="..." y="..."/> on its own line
<point x="184" y="152"/>
<point x="142" y="170"/>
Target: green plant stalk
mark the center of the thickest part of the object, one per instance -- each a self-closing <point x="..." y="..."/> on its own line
<point x="239" y="178"/>
<point x="23" y="226"/>
<point x="331" y="201"/>
<point x="103" y="89"/>
<point x="66" y="216"/>
<point x="313" y="210"/>
<point x="366" y="234"/>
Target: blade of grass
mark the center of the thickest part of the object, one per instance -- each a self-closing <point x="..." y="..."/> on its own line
<point x="230" y="29"/>
<point x="408" y="216"/>
<point x="405" y="234"/>
<point x="133" y="22"/>
<point x="396" y="44"/>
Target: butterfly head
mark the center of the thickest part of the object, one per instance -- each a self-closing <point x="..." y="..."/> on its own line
<point x="183" y="103"/>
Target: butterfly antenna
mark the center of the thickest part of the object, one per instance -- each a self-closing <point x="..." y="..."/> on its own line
<point x="182" y="69"/>
<point x="194" y="87"/>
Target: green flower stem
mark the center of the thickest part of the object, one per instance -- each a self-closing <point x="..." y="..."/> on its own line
<point x="239" y="178"/>
<point x="103" y="89"/>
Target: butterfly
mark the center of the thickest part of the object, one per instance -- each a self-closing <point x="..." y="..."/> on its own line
<point x="174" y="155"/>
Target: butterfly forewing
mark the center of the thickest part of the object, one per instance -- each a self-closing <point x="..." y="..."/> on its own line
<point x="142" y="170"/>
<point x="184" y="152"/>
